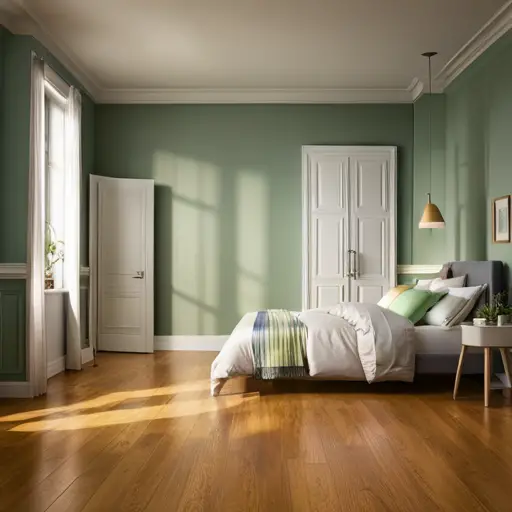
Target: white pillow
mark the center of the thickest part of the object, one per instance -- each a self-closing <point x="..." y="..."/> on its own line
<point x="471" y="294"/>
<point x="423" y="284"/>
<point x="439" y="284"/>
<point x="445" y="310"/>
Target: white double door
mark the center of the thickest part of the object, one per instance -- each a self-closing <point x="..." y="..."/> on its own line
<point x="349" y="223"/>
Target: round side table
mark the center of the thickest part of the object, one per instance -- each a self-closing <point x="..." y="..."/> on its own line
<point x="486" y="337"/>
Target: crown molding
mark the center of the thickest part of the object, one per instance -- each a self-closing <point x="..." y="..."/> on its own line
<point x="416" y="88"/>
<point x="20" y="19"/>
<point x="495" y="28"/>
<point x="233" y="95"/>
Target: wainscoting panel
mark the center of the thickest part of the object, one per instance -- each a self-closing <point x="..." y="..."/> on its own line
<point x="12" y="330"/>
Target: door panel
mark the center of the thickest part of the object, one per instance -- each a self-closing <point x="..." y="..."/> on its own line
<point x="371" y="179"/>
<point x="328" y="222"/>
<point x="370" y="243"/>
<point x="125" y="265"/>
<point x="366" y="293"/>
<point x="329" y="235"/>
<point x="370" y="219"/>
<point x="329" y="184"/>
<point x="330" y="295"/>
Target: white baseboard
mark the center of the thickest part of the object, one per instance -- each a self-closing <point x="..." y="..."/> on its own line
<point x="87" y="355"/>
<point x="199" y="343"/>
<point x="55" y="367"/>
<point x="15" y="390"/>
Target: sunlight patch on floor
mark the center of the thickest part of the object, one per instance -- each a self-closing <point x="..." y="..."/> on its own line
<point x="174" y="409"/>
<point x="111" y="399"/>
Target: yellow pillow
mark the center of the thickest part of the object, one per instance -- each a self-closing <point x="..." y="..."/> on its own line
<point x="392" y="294"/>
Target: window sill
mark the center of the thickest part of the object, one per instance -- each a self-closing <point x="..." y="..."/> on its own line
<point x="56" y="291"/>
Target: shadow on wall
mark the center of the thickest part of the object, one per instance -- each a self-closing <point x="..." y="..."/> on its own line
<point x="466" y="181"/>
<point x="211" y="244"/>
<point x="467" y="229"/>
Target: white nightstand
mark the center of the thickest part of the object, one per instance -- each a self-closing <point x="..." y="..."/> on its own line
<point x="486" y="337"/>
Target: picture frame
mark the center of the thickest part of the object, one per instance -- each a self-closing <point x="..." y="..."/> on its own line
<point x="501" y="220"/>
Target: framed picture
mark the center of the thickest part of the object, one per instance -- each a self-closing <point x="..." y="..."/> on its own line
<point x="501" y="220"/>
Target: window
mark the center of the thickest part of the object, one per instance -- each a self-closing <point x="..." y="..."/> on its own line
<point x="55" y="105"/>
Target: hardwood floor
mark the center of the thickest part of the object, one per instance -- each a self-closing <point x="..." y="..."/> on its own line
<point x="140" y="433"/>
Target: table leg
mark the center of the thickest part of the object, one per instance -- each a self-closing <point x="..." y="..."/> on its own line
<point x="459" y="371"/>
<point x="487" y="375"/>
<point x="506" y="365"/>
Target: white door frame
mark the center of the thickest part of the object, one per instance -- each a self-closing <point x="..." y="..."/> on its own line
<point x="307" y="152"/>
<point x="94" y="182"/>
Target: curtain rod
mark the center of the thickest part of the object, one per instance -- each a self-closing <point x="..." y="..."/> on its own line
<point x="80" y="88"/>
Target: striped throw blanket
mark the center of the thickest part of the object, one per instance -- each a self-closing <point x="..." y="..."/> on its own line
<point x="279" y="345"/>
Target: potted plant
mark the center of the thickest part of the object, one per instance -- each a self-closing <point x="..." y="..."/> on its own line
<point x="54" y="252"/>
<point x="496" y="311"/>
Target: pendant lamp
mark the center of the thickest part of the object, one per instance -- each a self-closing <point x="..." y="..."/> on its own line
<point x="431" y="217"/>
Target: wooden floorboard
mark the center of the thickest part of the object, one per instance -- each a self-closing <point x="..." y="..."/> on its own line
<point x="140" y="433"/>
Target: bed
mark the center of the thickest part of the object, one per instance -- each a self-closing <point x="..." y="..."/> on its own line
<point x="349" y="341"/>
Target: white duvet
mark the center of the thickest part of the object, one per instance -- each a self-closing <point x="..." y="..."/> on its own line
<point x="350" y="341"/>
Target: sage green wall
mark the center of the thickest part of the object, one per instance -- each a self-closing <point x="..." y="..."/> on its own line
<point x="15" y="144"/>
<point x="228" y="196"/>
<point x="479" y="151"/>
<point x="15" y="83"/>
<point x="429" y="245"/>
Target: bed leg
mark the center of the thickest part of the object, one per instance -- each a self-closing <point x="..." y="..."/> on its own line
<point x="216" y="386"/>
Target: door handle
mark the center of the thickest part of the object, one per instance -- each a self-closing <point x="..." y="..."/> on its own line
<point x="356" y="265"/>
<point x="350" y="272"/>
<point x="140" y="275"/>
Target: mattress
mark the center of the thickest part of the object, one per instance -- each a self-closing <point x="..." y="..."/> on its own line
<point x="430" y="339"/>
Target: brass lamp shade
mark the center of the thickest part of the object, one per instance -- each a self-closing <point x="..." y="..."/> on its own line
<point x="432" y="217"/>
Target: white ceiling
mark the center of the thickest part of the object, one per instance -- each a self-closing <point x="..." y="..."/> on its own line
<point x="260" y="45"/>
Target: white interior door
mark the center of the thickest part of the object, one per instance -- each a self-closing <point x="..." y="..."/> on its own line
<point x="328" y="228"/>
<point x="125" y="219"/>
<point x="349" y="197"/>
<point x="372" y="225"/>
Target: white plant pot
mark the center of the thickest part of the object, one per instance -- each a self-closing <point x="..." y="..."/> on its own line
<point x="503" y="319"/>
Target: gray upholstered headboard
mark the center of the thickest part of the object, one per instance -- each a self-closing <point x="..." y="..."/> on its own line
<point x="481" y="272"/>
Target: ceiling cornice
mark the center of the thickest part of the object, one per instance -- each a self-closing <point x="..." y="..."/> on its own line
<point x="20" y="19"/>
<point x="495" y="28"/>
<point x="416" y="88"/>
<point x="254" y="96"/>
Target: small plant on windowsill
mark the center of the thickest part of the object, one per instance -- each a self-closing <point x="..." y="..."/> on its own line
<point x="54" y="252"/>
<point x="496" y="309"/>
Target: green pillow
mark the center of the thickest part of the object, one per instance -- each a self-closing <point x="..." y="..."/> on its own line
<point x="414" y="304"/>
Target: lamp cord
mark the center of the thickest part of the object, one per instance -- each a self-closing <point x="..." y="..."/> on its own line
<point x="430" y="123"/>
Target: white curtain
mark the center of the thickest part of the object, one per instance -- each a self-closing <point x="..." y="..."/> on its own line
<point x="36" y="228"/>
<point x="71" y="265"/>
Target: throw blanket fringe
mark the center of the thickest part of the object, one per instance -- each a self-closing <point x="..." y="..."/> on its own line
<point x="279" y="345"/>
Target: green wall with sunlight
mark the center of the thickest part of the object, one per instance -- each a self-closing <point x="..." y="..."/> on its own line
<point x="471" y="160"/>
<point x="479" y="152"/>
<point x="228" y="197"/>
<point x="15" y="143"/>
<point x="15" y="83"/>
